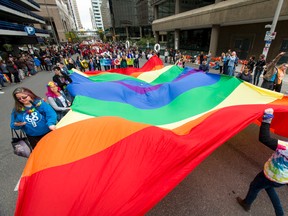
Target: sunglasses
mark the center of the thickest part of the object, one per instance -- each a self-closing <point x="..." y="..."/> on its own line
<point x="22" y="98"/>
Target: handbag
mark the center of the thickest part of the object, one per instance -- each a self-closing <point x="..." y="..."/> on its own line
<point x="20" y="143"/>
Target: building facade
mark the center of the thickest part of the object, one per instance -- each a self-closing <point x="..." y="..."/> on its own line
<point x="221" y="25"/>
<point x="96" y="8"/>
<point x="18" y="24"/>
<point x="93" y="22"/>
<point x="127" y="18"/>
<point x="73" y="11"/>
<point x="58" y="20"/>
<point x="144" y="14"/>
<point x="106" y="15"/>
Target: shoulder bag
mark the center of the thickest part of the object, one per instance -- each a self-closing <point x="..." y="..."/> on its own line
<point x="20" y="143"/>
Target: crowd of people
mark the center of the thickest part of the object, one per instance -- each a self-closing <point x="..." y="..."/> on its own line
<point x="37" y="116"/>
<point x="16" y="68"/>
<point x="251" y="70"/>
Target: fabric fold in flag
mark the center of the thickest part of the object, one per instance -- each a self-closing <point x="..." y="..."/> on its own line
<point x="132" y="136"/>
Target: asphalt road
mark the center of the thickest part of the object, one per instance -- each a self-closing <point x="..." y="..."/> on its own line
<point x="211" y="189"/>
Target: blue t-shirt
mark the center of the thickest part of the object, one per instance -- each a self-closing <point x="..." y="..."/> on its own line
<point x="37" y="118"/>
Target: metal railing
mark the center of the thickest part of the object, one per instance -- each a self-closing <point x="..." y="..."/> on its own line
<point x="18" y="27"/>
<point x="34" y="3"/>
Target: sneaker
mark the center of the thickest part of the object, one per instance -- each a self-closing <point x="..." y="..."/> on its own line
<point x="1" y="92"/>
<point x="243" y="204"/>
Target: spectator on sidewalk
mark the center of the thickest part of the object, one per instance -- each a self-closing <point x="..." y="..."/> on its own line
<point x="166" y="54"/>
<point x="37" y="63"/>
<point x="280" y="76"/>
<point x="251" y="64"/>
<point x="225" y="63"/>
<point x="201" y="58"/>
<point x="270" y="73"/>
<point x="61" y="79"/>
<point x="79" y="64"/>
<point x="221" y="62"/>
<point x="204" y="67"/>
<point x="4" y="71"/>
<point x="13" y="70"/>
<point x="71" y="64"/>
<point x="63" y="68"/>
<point x="180" y="63"/>
<point x="123" y="63"/>
<point x="48" y="63"/>
<point x="245" y="75"/>
<point x="208" y="57"/>
<point x="275" y="172"/>
<point x="232" y="63"/>
<point x="30" y="65"/>
<point x="1" y="81"/>
<point x="258" y="69"/>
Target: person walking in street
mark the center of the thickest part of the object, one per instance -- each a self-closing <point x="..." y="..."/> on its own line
<point x="275" y="173"/>
<point x="32" y="115"/>
<point x="271" y="73"/>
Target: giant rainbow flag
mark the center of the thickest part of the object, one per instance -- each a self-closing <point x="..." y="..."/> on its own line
<point x="131" y="137"/>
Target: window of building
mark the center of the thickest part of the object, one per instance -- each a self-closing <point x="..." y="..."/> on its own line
<point x="195" y="41"/>
<point x="167" y="8"/>
<point x="284" y="48"/>
<point x="242" y="46"/>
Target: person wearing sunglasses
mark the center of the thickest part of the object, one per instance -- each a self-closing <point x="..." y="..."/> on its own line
<point x="58" y="100"/>
<point x="32" y="115"/>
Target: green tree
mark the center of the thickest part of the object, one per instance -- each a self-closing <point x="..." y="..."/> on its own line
<point x="101" y="34"/>
<point x="144" y="41"/>
<point x="72" y="36"/>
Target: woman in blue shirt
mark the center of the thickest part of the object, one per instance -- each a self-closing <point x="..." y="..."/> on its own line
<point x="31" y="114"/>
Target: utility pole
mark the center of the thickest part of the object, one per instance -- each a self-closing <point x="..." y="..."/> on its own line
<point x="270" y="35"/>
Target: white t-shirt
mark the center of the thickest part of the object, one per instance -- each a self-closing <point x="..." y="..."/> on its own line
<point x="63" y="101"/>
